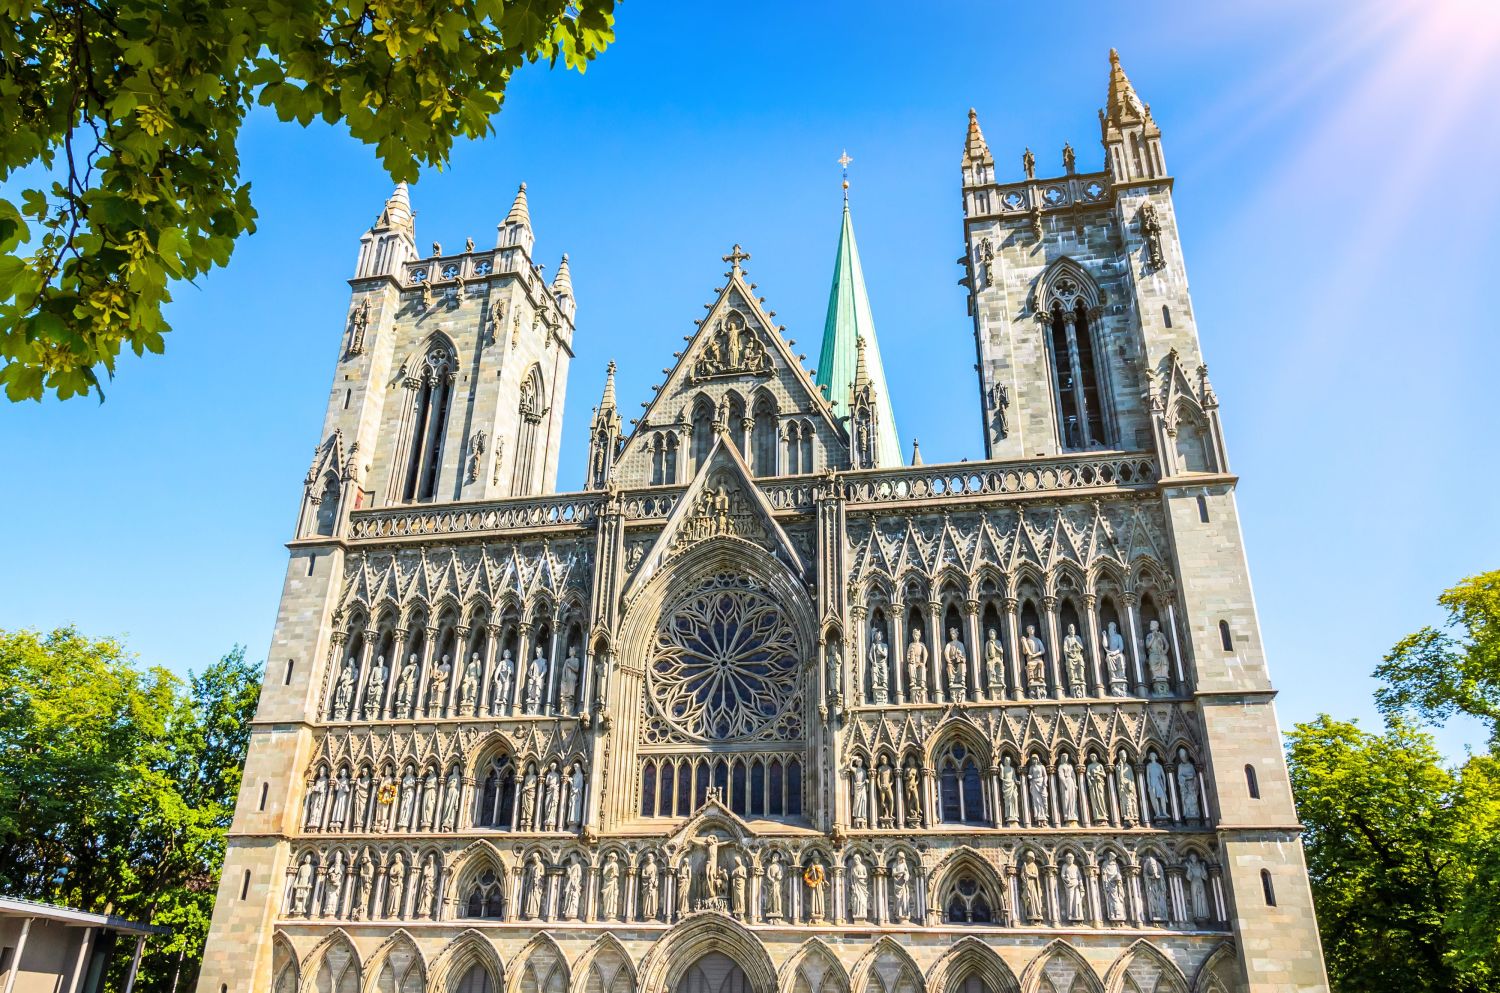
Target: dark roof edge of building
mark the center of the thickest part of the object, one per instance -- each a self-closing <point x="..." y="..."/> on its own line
<point x="11" y="906"/>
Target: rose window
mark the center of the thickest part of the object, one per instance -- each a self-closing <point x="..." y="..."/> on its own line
<point x="724" y="665"/>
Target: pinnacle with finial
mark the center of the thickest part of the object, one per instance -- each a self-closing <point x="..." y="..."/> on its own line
<point x="735" y="257"/>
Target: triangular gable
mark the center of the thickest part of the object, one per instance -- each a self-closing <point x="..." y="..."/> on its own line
<point x="722" y="502"/>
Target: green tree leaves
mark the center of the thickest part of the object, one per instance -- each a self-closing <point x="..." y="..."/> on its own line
<point x="134" y="109"/>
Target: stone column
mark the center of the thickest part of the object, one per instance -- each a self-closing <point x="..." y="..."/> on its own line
<point x="937" y="691"/>
<point x="879" y="897"/>
<point x="838" y="899"/>
<point x="1091" y="895"/>
<point x="1133" y="912"/>
<point x="854" y="649"/>
<point x="1013" y="641"/>
<point x="487" y="701"/>
<point x="971" y="615"/>
<point x="367" y="652"/>
<point x="897" y="645"/>
<point x="523" y="662"/>
<point x="461" y="654"/>
<point x="628" y="901"/>
<point x="1177" y="663"/>
<point x="550" y="703"/>
<point x="1054" y="665"/>
<point x="1051" y="896"/>
<point x="1091" y="645"/>
<point x="1133" y="624"/>
<point x="421" y="704"/>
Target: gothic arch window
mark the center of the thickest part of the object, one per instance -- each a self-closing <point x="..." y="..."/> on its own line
<point x="1267" y="887"/>
<point x="714" y="973"/>
<point x="960" y="786"/>
<point x="339" y="971"/>
<point x="1193" y="453"/>
<point x="703" y="429"/>
<point x="531" y="409"/>
<point x="497" y="794"/>
<point x="475" y="980"/>
<point x="658" y="460"/>
<point x="969" y="901"/>
<point x="734" y="420"/>
<point x="430" y="387"/>
<point x="402" y="972"/>
<point x="1252" y="783"/>
<point x="328" y="507"/>
<point x="764" y="433"/>
<point x="1076" y="378"/>
<point x="1225" y="638"/>
<point x="799" y="448"/>
<point x="484" y="899"/>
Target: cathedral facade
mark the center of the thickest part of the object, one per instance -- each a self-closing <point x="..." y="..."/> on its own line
<point x="763" y="709"/>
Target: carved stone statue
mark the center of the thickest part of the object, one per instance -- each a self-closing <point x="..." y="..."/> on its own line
<point x="1028" y="162"/>
<point x="916" y="667"/>
<point x="375" y="689"/>
<point x="833" y="663"/>
<point x="302" y="885"/>
<point x="406" y="685"/>
<point x="1156" y="789"/>
<point x="551" y="797"/>
<point x="859" y="794"/>
<point x="880" y="655"/>
<point x="911" y="794"/>
<point x="451" y="795"/>
<point x="859" y="890"/>
<point x="1130" y="810"/>
<point x="536" y="681"/>
<point x="1158" y="660"/>
<point x="737" y="883"/>
<point x="362" y="887"/>
<point x="1070" y="159"/>
<point x="1035" y="654"/>
<point x="338" y="818"/>
<point x="601" y="680"/>
<point x="1097" y="778"/>
<point x="1071" y="878"/>
<point x="385" y="799"/>
<point x="361" y="800"/>
<point x="1010" y="792"/>
<point x="429" y="800"/>
<point x="408" y="805"/>
<point x="684" y="887"/>
<point x="817" y="886"/>
<point x="650" y="888"/>
<point x="901" y="889"/>
<point x="567" y="683"/>
<point x="1156" y="889"/>
<point x="317" y="800"/>
<point x="994" y="664"/>
<point x="395" y="887"/>
<point x="426" y="883"/>
<point x="505" y="672"/>
<point x="1073" y="659"/>
<point x="885" y="792"/>
<point x="528" y="800"/>
<point x="1067" y="791"/>
<point x="1036" y="780"/>
<point x="468" y="689"/>
<point x="1196" y="874"/>
<point x="575" y="796"/>
<point x="333" y="886"/>
<point x="1031" y="888"/>
<point x="775" y="875"/>
<point x="1187" y="787"/>
<point x="343" y="691"/>
<point x="1112" y="887"/>
<point x="1114" y="660"/>
<point x="572" y="886"/>
<point x="535" y="885"/>
<point x="609" y="888"/>
<point x="956" y="660"/>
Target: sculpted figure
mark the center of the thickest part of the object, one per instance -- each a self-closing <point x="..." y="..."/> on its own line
<point x="572" y="886"/>
<point x="774" y="876"/>
<point x="468" y="689"/>
<point x="916" y="667"/>
<point x="1067" y="791"/>
<point x="505" y="672"/>
<point x="437" y="689"/>
<point x="535" y="882"/>
<point x="1130" y="810"/>
<point x="1073" y="658"/>
<point x="1156" y="788"/>
<point x="1097" y="778"/>
<point x="859" y="794"/>
<point x="1187" y="786"/>
<point x="429" y="799"/>
<point x="835" y="670"/>
<point x="1010" y="792"/>
<point x="684" y="887"/>
<point x="395" y="887"/>
<point x="901" y="889"/>
<point x="333" y="886"/>
<point x="880" y="669"/>
<point x="406" y="685"/>
<point x="1031" y="888"/>
<point x="1158" y="660"/>
<point x="1072" y="889"/>
<point x="601" y="680"/>
<point x="817" y="884"/>
<point x="1112" y="883"/>
<point x="451" y="795"/>
<point x="911" y="795"/>
<point x="1156" y="889"/>
<point x="361" y="800"/>
<point x="551" y="797"/>
<point x="609" y="888"/>
<point x="375" y="689"/>
<point x="364" y="885"/>
<point x="1196" y="874"/>
<point x="339" y="817"/>
<point x="859" y="890"/>
<point x="343" y="691"/>
<point x="317" y="799"/>
<point x="737" y="880"/>
<point x="536" y="679"/>
<point x="994" y="664"/>
<point x="575" y="795"/>
<point x="884" y="791"/>
<point x="425" y="883"/>
<point x="302" y="886"/>
<point x="1035" y="654"/>
<point x="567" y="682"/>
<point x="528" y="799"/>
<point x="1114" y="659"/>
<point x="386" y="798"/>
<point x="956" y="659"/>
<point x="650" y="888"/>
<point x="408" y="801"/>
<point x="713" y="883"/>
<point x="1036" y="781"/>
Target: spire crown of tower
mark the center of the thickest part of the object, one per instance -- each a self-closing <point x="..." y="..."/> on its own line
<point x="975" y="148"/>
<point x="562" y="283"/>
<point x="1123" y="107"/>
<point x="397" y="213"/>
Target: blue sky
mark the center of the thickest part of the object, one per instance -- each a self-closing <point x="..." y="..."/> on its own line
<point x="1334" y="167"/>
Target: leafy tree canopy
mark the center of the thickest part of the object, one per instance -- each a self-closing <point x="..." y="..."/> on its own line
<point x="133" y="108"/>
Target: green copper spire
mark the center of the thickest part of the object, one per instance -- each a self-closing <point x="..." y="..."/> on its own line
<point x="849" y="320"/>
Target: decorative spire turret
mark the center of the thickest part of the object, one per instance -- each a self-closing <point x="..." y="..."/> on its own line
<point x="515" y="231"/>
<point x="604" y="435"/>
<point x="562" y="289"/>
<point x="978" y="164"/>
<point x="916" y="452"/>
<point x="391" y="240"/>
<point x="1132" y="141"/>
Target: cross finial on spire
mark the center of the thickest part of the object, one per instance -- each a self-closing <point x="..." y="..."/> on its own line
<point x="844" y="159"/>
<point x="735" y="257"/>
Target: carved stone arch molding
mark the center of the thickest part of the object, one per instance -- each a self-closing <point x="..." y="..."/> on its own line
<point x="538" y="959"/>
<point x="887" y="968"/>
<point x="1151" y="970"/>
<point x="1066" y="283"/>
<point x="338" y="952"/>
<point x="813" y="968"/>
<point x="671" y="956"/>
<point x="1219" y="973"/>
<point x="399" y="941"/>
<point x="468" y="949"/>
<point x="285" y="977"/>
<point x="606" y="952"/>
<point x="971" y="957"/>
<point x="1061" y="968"/>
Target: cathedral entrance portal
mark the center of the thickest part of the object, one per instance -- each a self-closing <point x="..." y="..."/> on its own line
<point x="713" y="973"/>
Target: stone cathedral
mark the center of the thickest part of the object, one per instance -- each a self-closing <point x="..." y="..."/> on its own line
<point x="764" y="709"/>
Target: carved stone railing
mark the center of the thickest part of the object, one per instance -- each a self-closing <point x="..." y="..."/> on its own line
<point x="563" y="511"/>
<point x="988" y="479"/>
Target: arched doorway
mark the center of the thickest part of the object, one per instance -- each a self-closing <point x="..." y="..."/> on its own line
<point x="713" y="973"/>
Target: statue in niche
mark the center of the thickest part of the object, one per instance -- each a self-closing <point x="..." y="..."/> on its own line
<point x="551" y="797"/>
<point x="684" y="887"/>
<point x="1114" y="659"/>
<point x="1035" y="654"/>
<point x="775" y="875"/>
<point x="1010" y="792"/>
<point x="1036" y="780"/>
<point x="831" y="659"/>
<point x="1156" y="889"/>
<point x="885" y="792"/>
<point x="1130" y="811"/>
<point x="817" y="885"/>
<point x="343" y="691"/>
<point x="395" y="887"/>
<point x="375" y="689"/>
<point x="859" y="890"/>
<point x="425" y="886"/>
<point x="406" y="684"/>
<point x="880" y="654"/>
<point x="429" y="799"/>
<point x="994" y="664"/>
<point x="535" y="885"/>
<point x="536" y="679"/>
<point x="1196" y="874"/>
<point x="1151" y="230"/>
<point x="528" y="799"/>
<point x="859" y="794"/>
<point x="302" y="885"/>
<point x="650" y="888"/>
<point x="1067" y="791"/>
<point x="1158" y="660"/>
<point x="386" y="798"/>
<point x="437" y="689"/>
<point x="361" y="799"/>
<point x="575" y="795"/>
<point x="468" y="689"/>
<point x="339" y="817"/>
<point x="363" y="886"/>
<point x="567" y="682"/>
<point x="713" y="873"/>
<point x="737" y="883"/>
<point x="572" y="886"/>
<point x="901" y="889"/>
<point x="1112" y="885"/>
<point x="1073" y="658"/>
<point x="317" y="799"/>
<point x="911" y="778"/>
<point x="1097" y="778"/>
<point x="505" y="672"/>
<point x="476" y="457"/>
<point x="1187" y="787"/>
<point x="1031" y="888"/>
<point x="1156" y="788"/>
<point x="451" y="796"/>
<point x="601" y="679"/>
<point x="609" y="888"/>
<point x="956" y="657"/>
<point x="1072" y="889"/>
<point x="916" y="667"/>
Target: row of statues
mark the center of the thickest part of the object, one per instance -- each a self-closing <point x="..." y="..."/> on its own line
<point x="361" y="888"/>
<point x="1034" y="675"/>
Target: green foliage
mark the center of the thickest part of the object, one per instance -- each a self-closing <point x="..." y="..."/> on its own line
<point x="117" y="784"/>
<point x="135" y="108"/>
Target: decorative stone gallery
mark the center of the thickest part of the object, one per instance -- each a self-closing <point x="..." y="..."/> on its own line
<point x="761" y="709"/>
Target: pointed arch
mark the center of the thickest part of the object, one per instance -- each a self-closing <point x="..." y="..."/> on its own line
<point x="333" y="966"/>
<point x="540" y="967"/>
<point x="469" y="951"/>
<point x="428" y="375"/>
<point x="672" y="956"/>
<point x="1065" y="283"/>
<point x="396" y="966"/>
<point x="605" y="967"/>
<point x="813" y="968"/>
<point x="1220" y="972"/>
<point x="886" y="968"/>
<point x="1060" y="965"/>
<point x="1149" y="968"/>
<point x="969" y="957"/>
<point x="531" y="408"/>
<point x="285" y="977"/>
<point x="966" y="890"/>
